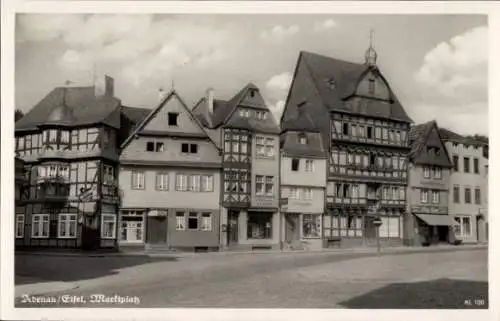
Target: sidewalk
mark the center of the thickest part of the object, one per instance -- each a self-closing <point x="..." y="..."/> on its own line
<point x="384" y="250"/>
<point x="37" y="286"/>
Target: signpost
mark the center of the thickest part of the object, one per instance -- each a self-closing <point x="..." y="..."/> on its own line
<point x="378" y="222"/>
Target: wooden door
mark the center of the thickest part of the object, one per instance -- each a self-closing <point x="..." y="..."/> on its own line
<point x="232" y="227"/>
<point x="292" y="227"/>
<point x="157" y="229"/>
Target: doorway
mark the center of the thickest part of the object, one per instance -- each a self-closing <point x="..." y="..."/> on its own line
<point x="157" y="229"/>
<point x="232" y="227"/>
<point x="442" y="232"/>
<point x="292" y="231"/>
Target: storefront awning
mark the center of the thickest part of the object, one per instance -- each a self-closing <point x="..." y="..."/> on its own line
<point x="437" y="220"/>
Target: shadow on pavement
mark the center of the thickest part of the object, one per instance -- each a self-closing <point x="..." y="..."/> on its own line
<point x="35" y="269"/>
<point x="435" y="294"/>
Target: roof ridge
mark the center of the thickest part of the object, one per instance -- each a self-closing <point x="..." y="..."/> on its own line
<point x="332" y="58"/>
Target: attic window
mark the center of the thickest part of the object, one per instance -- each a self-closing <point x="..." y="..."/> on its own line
<point x="150" y="146"/>
<point x="303" y="139"/>
<point x="371" y="86"/>
<point x="331" y="83"/>
<point x="172" y="119"/>
<point x="252" y="93"/>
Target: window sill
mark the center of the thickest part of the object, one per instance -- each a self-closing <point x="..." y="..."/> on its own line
<point x="39" y="237"/>
<point x="66" y="237"/>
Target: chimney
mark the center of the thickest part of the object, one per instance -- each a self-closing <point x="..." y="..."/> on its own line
<point x="104" y="86"/>
<point x="210" y="100"/>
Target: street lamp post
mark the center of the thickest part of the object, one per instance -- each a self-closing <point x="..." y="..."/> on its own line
<point x="378" y="222"/>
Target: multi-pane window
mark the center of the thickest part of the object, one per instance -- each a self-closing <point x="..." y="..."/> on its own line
<point x="108" y="174"/>
<point x="294" y="193"/>
<point x="309" y="165"/>
<point x="189" y="148"/>
<point x="207" y="183"/>
<point x="437" y="172"/>
<point x="138" y="180"/>
<point x="456" y="194"/>
<point x="194" y="183"/>
<point x="108" y="226"/>
<point x="261" y="115"/>
<point x="269" y="185"/>
<point x="154" y="147"/>
<point x="303" y="139"/>
<point x="162" y="181"/>
<point x="180" y="220"/>
<point x="206" y="221"/>
<point x="476" y="166"/>
<point x="435" y="197"/>
<point x="259" y="185"/>
<point x="67" y="226"/>
<point x="40" y="226"/>
<point x="477" y="196"/>
<point x="181" y="182"/>
<point x="264" y="146"/>
<point x="19" y="226"/>
<point x="308" y="194"/>
<point x="463" y="229"/>
<point x="466" y="164"/>
<point x="424" y="196"/>
<point x="467" y="195"/>
<point x="427" y="172"/>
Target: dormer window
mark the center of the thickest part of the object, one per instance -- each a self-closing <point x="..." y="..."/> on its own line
<point x="303" y="139"/>
<point x="252" y="93"/>
<point x="244" y="112"/>
<point x="262" y="115"/>
<point x="371" y="86"/>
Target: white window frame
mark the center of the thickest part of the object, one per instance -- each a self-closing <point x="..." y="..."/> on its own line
<point x="207" y="183"/>
<point x="180" y="221"/>
<point x="427" y="172"/>
<point x="162" y="181"/>
<point x="20" y="220"/>
<point x="259" y="180"/>
<point x="68" y="219"/>
<point x="105" y="219"/>
<point x="139" y="182"/>
<point x="309" y="167"/>
<point x="269" y="180"/>
<point x="308" y="194"/>
<point x="424" y="196"/>
<point x="206" y="222"/>
<point x="181" y="182"/>
<point x="294" y="193"/>
<point x="194" y="183"/>
<point x="269" y="147"/>
<point x="437" y="172"/>
<point x="44" y="218"/>
<point x="435" y="197"/>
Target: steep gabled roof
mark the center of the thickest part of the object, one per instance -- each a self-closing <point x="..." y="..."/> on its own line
<point x="346" y="76"/>
<point x="135" y="114"/>
<point x="419" y="136"/>
<point x="75" y="106"/>
<point x="154" y="111"/>
<point x="302" y="123"/>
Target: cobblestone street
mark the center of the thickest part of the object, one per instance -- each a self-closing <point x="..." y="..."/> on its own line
<point x="445" y="279"/>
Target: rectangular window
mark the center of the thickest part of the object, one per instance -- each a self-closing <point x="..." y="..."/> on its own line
<point x="385" y="193"/>
<point x="159" y="147"/>
<point x="181" y="183"/>
<point x="467" y="196"/>
<point x="193" y="221"/>
<point x="384" y="133"/>
<point x="67" y="226"/>
<point x="184" y="148"/>
<point x="162" y="181"/>
<point x="395" y="193"/>
<point x="138" y="180"/>
<point x="424" y="196"/>
<point x="308" y="194"/>
<point x="270" y="147"/>
<point x="378" y="132"/>
<point x="259" y="185"/>
<point x="355" y="191"/>
<point x="311" y="225"/>
<point x="345" y="129"/>
<point x="437" y="172"/>
<point x="259" y="226"/>
<point x="173" y="119"/>
<point x="466" y="165"/>
<point x="477" y="196"/>
<point x="476" y="166"/>
<point x="108" y="226"/>
<point x="207" y="183"/>
<point x="391" y="135"/>
<point x="294" y="193"/>
<point x="338" y="190"/>
<point x="295" y="164"/>
<point x="150" y="146"/>
<point x="19" y="226"/>
<point x="193" y="148"/>
<point x="269" y="185"/>
<point x="354" y="130"/>
<point x="180" y="221"/>
<point x="402" y="193"/>
<point x="427" y="172"/>
<point x="206" y="221"/>
<point x="455" y="163"/>
<point x="466" y="227"/>
<point x="309" y="165"/>
<point x="369" y="132"/>
<point x="435" y="197"/>
<point x="40" y="226"/>
<point x="194" y="183"/>
<point x="456" y="194"/>
<point x="347" y="188"/>
<point x="260" y="146"/>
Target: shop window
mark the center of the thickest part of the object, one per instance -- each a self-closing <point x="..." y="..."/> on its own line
<point x="311" y="225"/>
<point x="259" y="226"/>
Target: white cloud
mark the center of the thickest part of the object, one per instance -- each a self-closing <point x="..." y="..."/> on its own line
<point x="277" y="109"/>
<point x="327" y="24"/>
<point x="277" y="89"/>
<point x="280" y="82"/>
<point x="143" y="45"/>
<point x="453" y="81"/>
<point x="279" y="32"/>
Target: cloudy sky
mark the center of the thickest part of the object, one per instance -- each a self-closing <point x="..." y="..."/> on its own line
<point x="437" y="65"/>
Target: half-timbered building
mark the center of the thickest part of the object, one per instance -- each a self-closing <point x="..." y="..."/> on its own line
<point x="249" y="137"/>
<point x="68" y="144"/>
<point x="169" y="180"/>
<point x="427" y="220"/>
<point x="364" y="129"/>
<point x="303" y="183"/>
